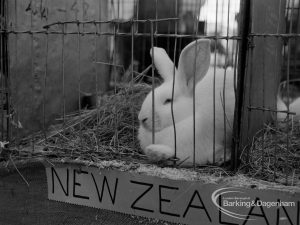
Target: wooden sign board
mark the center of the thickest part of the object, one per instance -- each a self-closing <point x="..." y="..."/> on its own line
<point x="188" y="202"/>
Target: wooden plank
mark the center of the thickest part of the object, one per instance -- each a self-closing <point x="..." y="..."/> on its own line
<point x="27" y="57"/>
<point x="263" y="67"/>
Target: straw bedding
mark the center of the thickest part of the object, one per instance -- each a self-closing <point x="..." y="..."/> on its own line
<point x="274" y="154"/>
<point x="105" y="133"/>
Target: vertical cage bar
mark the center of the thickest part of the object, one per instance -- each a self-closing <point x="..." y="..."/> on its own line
<point x="248" y="72"/>
<point x="79" y="77"/>
<point x="297" y="21"/>
<point x="214" y="85"/>
<point x="45" y="84"/>
<point x="96" y="80"/>
<point x="194" y="107"/>
<point x="45" y="79"/>
<point x="32" y="68"/>
<point x="263" y="101"/>
<point x="132" y="81"/>
<point x="224" y="84"/>
<point x="288" y="90"/>
<point x="195" y="27"/>
<point x="63" y="75"/>
<point x="153" y="83"/>
<point x="173" y="85"/>
<point x="7" y="84"/>
<point x="245" y="21"/>
<point x="16" y="74"/>
<point x="116" y="139"/>
<point x="2" y="72"/>
<point x="156" y="17"/>
<point x="136" y="3"/>
<point x="98" y="29"/>
<point x="249" y="64"/>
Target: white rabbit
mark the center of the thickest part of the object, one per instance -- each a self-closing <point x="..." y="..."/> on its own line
<point x="281" y="106"/>
<point x="294" y="107"/>
<point x="283" y="97"/>
<point x="194" y="59"/>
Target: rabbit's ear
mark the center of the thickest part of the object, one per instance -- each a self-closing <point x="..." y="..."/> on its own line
<point x="194" y="61"/>
<point x="162" y="63"/>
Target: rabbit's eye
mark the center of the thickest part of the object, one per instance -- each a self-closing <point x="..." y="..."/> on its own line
<point x="169" y="100"/>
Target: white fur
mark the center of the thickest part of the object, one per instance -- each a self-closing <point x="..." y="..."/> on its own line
<point x="163" y="147"/>
<point x="294" y="108"/>
<point x="281" y="107"/>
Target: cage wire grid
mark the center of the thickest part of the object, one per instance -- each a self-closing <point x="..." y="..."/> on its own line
<point x="86" y="124"/>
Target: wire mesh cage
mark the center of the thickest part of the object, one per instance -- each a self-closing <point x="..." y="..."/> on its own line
<point x="74" y="76"/>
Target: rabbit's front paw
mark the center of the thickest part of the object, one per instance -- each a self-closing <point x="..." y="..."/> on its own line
<point x="157" y="152"/>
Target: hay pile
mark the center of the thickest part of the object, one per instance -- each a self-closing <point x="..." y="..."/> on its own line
<point x="274" y="155"/>
<point x="105" y="133"/>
